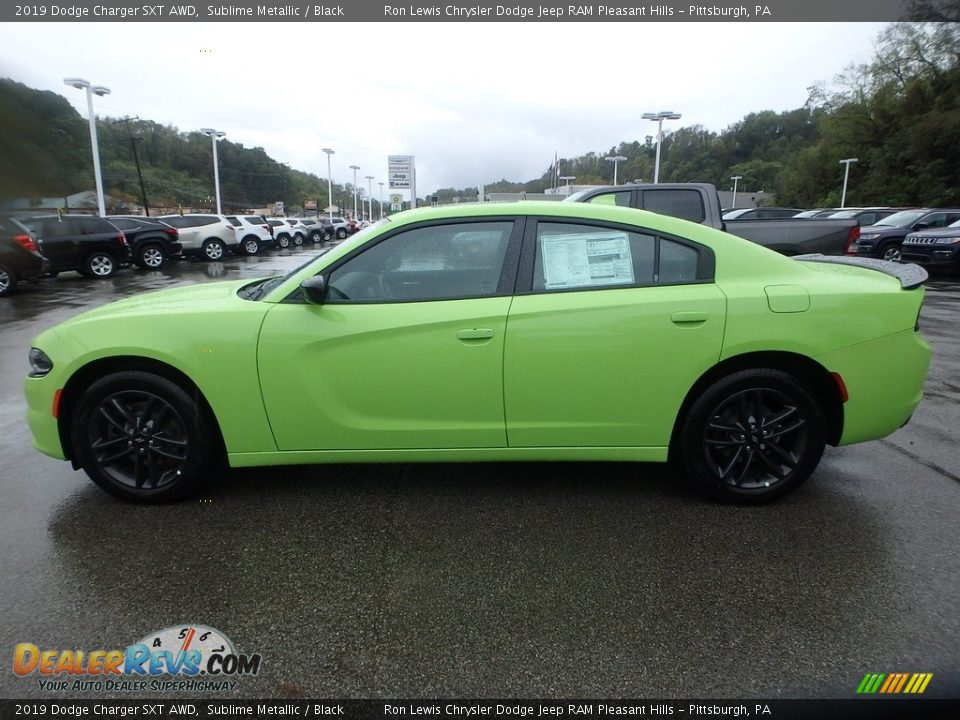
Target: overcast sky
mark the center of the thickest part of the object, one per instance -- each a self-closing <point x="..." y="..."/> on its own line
<point x="473" y="102"/>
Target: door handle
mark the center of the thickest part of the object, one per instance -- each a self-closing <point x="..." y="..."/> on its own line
<point x="685" y="317"/>
<point x="475" y="334"/>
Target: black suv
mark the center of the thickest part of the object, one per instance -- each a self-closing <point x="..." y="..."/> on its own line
<point x="20" y="257"/>
<point x="151" y="241"/>
<point x="93" y="246"/>
<point x="884" y="238"/>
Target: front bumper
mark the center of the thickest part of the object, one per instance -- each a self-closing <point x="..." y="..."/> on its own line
<point x="932" y="255"/>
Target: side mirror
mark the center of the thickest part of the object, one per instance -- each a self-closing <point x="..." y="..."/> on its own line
<point x="315" y="289"/>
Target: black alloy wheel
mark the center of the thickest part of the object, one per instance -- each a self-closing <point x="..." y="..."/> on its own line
<point x="142" y="437"/>
<point x="753" y="436"/>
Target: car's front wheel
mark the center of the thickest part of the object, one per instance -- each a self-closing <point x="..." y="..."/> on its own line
<point x="213" y="249"/>
<point x="8" y="280"/>
<point x="142" y="437"/>
<point x="100" y="265"/>
<point x="316" y="236"/>
<point x="283" y="241"/>
<point x="341" y="233"/>
<point x="752" y="436"/>
<point x="298" y="239"/>
<point x="891" y="251"/>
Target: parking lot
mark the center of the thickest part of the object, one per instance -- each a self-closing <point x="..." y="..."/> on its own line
<point x="527" y="580"/>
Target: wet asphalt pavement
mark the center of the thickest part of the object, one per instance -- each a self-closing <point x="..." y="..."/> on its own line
<point x="527" y="580"/>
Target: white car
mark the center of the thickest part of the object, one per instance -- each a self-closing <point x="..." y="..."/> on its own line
<point x="209" y="236"/>
<point x="253" y="232"/>
<point x="288" y="231"/>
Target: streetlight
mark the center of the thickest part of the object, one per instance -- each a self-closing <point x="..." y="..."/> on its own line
<point x="659" y="118"/>
<point x="846" y="174"/>
<point x="370" y="194"/>
<point x="99" y="91"/>
<point x="616" y="160"/>
<point x="329" y="152"/>
<point x="354" y="168"/>
<point x="568" y="178"/>
<point x="735" y="178"/>
<point x="381" y="200"/>
<point x="214" y="136"/>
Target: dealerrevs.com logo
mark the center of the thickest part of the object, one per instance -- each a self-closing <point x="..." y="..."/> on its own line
<point x="182" y="657"/>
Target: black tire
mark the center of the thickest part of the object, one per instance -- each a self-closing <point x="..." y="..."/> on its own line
<point x="752" y="437"/>
<point x="142" y="437"/>
<point x="341" y="233"/>
<point x="150" y="257"/>
<point x="283" y="241"/>
<point x="213" y="249"/>
<point x="100" y="265"/>
<point x="328" y="235"/>
<point x="250" y="245"/>
<point x="8" y="280"/>
<point x="298" y="239"/>
<point x="890" y="251"/>
<point x="316" y="236"/>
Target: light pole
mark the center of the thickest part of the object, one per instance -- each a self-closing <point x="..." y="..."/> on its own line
<point x="329" y="152"/>
<point x="568" y="178"/>
<point x="616" y="160"/>
<point x="659" y="118"/>
<point x="214" y="136"/>
<point x="846" y="174"/>
<point x="370" y="194"/>
<point x="735" y="178"/>
<point x="99" y="91"/>
<point x="354" y="168"/>
<point x="381" y="201"/>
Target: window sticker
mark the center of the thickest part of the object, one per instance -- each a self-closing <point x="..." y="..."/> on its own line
<point x="585" y="259"/>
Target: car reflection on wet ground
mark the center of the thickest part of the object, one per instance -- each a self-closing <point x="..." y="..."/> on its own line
<point x="506" y="579"/>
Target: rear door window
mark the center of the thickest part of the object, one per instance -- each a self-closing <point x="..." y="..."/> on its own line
<point x="675" y="202"/>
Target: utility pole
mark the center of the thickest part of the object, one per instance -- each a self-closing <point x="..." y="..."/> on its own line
<point x="136" y="161"/>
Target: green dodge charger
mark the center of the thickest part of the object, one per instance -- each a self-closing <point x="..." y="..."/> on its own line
<point x="528" y="331"/>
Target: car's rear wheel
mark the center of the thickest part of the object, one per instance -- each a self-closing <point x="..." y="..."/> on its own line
<point x="283" y="241"/>
<point x="8" y="280"/>
<point x="341" y="233"/>
<point x="100" y="265"/>
<point x="752" y="436"/>
<point x="316" y="236"/>
<point x="890" y="251"/>
<point x="251" y="245"/>
<point x="298" y="239"/>
<point x="150" y="257"/>
<point x="213" y="249"/>
<point x="141" y="437"/>
<point x="328" y="234"/>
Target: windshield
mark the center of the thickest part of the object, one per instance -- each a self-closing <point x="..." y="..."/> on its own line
<point x="901" y="219"/>
<point x="955" y="224"/>
<point x="576" y="196"/>
<point x="734" y="214"/>
<point x="845" y="214"/>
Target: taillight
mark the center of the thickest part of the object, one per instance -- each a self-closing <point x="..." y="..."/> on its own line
<point x="26" y="242"/>
<point x="122" y="239"/>
<point x="173" y="232"/>
<point x="852" y="238"/>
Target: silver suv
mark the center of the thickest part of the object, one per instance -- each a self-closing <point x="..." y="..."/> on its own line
<point x="209" y="236"/>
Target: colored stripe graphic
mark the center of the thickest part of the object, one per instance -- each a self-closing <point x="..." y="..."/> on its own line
<point x="894" y="683"/>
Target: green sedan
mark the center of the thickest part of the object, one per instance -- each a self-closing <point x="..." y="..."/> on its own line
<point x="528" y="331"/>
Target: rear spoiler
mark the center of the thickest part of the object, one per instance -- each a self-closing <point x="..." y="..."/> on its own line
<point x="909" y="275"/>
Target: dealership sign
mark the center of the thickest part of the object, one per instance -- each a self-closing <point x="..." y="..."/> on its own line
<point x="400" y="172"/>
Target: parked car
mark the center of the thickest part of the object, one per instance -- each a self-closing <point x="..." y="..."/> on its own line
<point x="883" y="239"/>
<point x="700" y="203"/>
<point x="151" y="241"/>
<point x="282" y="232"/>
<point x="341" y="228"/>
<point x="20" y="257"/>
<point x="314" y="228"/>
<point x="207" y="236"/>
<point x="761" y="213"/>
<point x="816" y="212"/>
<point x="934" y="248"/>
<point x="253" y="232"/>
<point x="93" y="246"/>
<point x="547" y="331"/>
<point x="864" y="216"/>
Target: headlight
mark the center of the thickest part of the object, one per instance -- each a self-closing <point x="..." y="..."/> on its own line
<point x="40" y="363"/>
<point x="948" y="240"/>
<point x="869" y="236"/>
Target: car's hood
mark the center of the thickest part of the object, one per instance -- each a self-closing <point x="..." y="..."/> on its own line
<point x="937" y="232"/>
<point x="883" y="230"/>
<point x="178" y="299"/>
